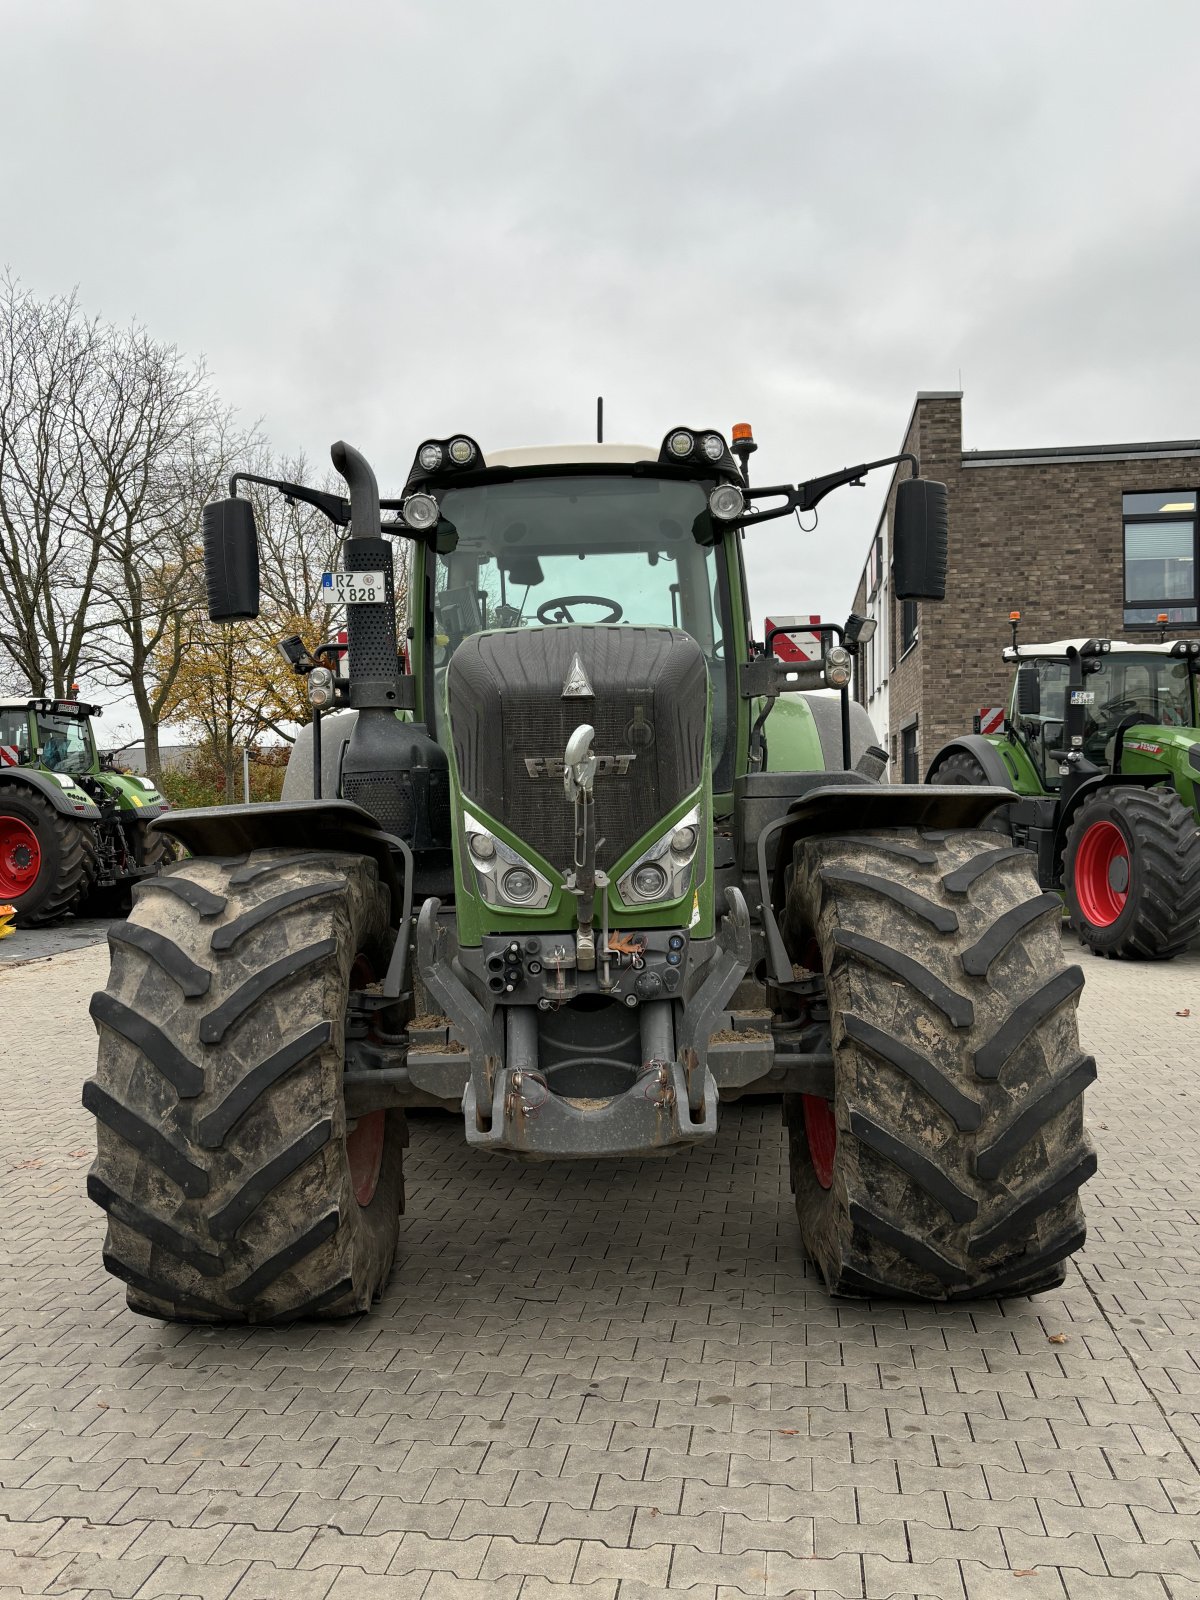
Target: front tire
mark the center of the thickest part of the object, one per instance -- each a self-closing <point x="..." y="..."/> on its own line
<point x="46" y="858"/>
<point x="235" y="1190"/>
<point x="1132" y="872"/>
<point x="949" y="1163"/>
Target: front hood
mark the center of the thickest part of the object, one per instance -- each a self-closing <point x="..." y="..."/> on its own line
<point x="515" y="697"/>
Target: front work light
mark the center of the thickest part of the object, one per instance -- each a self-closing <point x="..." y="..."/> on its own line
<point x="430" y="456"/>
<point x="462" y="452"/>
<point x="681" y="443"/>
<point x="714" y="446"/>
<point x="420" y="511"/>
<point x="726" y="502"/>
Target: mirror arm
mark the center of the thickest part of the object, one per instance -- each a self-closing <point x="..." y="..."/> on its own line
<point x="806" y="496"/>
<point x="333" y="505"/>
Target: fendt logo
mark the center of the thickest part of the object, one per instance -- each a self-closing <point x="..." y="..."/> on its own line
<point x="606" y="766"/>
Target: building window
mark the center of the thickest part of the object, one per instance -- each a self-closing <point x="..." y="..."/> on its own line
<point x="908" y="625"/>
<point x="910" y="771"/>
<point x="1160" y="556"/>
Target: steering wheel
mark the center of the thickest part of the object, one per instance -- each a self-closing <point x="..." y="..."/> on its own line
<point x="1131" y="703"/>
<point x="562" y="603"/>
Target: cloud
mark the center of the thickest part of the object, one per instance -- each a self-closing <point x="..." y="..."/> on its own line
<point x="384" y="220"/>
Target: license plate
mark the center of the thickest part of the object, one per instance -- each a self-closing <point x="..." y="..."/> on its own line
<point x="353" y="589"/>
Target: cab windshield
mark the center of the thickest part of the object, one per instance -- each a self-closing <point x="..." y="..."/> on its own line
<point x="66" y="743"/>
<point x="1152" y="688"/>
<point x="599" y="549"/>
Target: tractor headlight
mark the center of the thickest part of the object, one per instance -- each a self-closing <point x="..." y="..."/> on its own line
<point x="502" y="874"/>
<point x="839" y="664"/>
<point x="664" y="871"/>
<point x="420" y="511"/>
<point x="321" y="688"/>
<point x="430" y="456"/>
<point x="726" y="502"/>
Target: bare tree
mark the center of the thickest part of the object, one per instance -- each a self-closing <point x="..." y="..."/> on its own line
<point x="52" y="498"/>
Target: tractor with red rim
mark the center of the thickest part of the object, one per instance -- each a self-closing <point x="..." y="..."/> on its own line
<point x="1101" y="741"/>
<point x="74" y="832"/>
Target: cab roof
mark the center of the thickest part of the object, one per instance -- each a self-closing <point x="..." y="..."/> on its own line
<point x="1059" y="648"/>
<point x="30" y="701"/>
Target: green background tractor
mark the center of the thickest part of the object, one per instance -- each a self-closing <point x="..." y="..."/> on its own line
<point x="1102" y="743"/>
<point x="74" y="835"/>
<point x="584" y="865"/>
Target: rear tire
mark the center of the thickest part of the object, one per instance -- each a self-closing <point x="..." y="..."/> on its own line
<point x="62" y="850"/>
<point x="1132" y="872"/>
<point x="232" y="1189"/>
<point x="957" y="1121"/>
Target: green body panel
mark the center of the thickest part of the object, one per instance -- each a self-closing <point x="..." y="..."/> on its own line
<point x="130" y="793"/>
<point x="1024" y="775"/>
<point x="1153" y="748"/>
<point x="795" y="743"/>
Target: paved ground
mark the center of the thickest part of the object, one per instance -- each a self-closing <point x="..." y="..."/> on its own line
<point x="36" y="944"/>
<point x="605" y="1381"/>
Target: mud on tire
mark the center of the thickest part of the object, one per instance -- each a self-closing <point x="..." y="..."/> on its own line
<point x="222" y="1155"/>
<point x="960" y="1144"/>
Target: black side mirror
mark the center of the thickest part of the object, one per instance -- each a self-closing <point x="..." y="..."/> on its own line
<point x="230" y="560"/>
<point x="1029" y="692"/>
<point x="920" y="540"/>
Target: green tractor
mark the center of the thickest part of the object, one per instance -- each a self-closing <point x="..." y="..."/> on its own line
<point x="582" y="864"/>
<point x="1101" y="741"/>
<point x="74" y="833"/>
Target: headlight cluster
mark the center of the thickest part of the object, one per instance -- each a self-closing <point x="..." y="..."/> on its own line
<point x="684" y="444"/>
<point x="502" y="874"/>
<point x="839" y="664"/>
<point x="664" y="871"/>
<point x="436" y="455"/>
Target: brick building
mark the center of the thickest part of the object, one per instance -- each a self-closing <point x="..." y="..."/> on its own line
<point x="1094" y="540"/>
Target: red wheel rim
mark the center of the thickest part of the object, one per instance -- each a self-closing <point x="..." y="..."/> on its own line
<point x="820" y="1128"/>
<point x="1102" y="874"/>
<point x="364" y="1145"/>
<point x="20" y="858"/>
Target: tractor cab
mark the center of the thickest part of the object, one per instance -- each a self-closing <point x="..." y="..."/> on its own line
<point x="1104" y="689"/>
<point x="55" y="735"/>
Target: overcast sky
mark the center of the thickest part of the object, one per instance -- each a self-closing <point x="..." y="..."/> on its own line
<point x="383" y="220"/>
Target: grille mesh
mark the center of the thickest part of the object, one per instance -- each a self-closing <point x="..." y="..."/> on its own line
<point x="507" y="708"/>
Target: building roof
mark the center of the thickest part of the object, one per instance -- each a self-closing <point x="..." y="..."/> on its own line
<point x="569" y="455"/>
<point x="1064" y="454"/>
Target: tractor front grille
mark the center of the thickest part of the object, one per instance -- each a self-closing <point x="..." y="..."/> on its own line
<point x="510" y="722"/>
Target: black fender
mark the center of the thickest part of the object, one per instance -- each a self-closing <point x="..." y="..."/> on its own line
<point x="1091" y="786"/>
<point x="50" y="789"/>
<point x="983" y="750"/>
<point x="859" y="808"/>
<point x="296" y="825"/>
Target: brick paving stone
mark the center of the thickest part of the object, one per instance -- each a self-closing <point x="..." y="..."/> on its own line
<point x="663" y="1401"/>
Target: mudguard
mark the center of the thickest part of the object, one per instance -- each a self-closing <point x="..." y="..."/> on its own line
<point x="71" y="802"/>
<point x="983" y="750"/>
<point x="844" y="808"/>
<point x="289" y="825"/>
